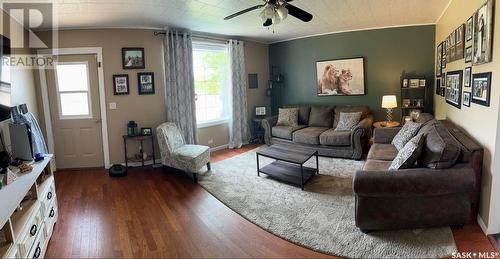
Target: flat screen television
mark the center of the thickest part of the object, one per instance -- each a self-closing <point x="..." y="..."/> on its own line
<point x="5" y="79"/>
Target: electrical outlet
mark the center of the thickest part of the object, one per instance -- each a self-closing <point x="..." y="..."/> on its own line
<point x="210" y="141"/>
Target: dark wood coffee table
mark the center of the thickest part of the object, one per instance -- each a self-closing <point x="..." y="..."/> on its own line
<point x="289" y="165"/>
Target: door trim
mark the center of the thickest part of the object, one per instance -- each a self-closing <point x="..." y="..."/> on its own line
<point x="102" y="95"/>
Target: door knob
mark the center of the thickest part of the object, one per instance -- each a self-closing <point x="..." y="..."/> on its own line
<point x="98" y="121"/>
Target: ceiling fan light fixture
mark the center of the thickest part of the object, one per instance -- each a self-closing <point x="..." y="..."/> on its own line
<point x="282" y="12"/>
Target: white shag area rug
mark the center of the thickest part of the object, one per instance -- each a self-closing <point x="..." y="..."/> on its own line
<point x="322" y="216"/>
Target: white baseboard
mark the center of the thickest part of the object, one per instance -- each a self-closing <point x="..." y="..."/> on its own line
<point x="481" y="224"/>
<point x="219" y="148"/>
<point x="490" y="230"/>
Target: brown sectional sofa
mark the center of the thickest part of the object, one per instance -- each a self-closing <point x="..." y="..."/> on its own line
<point x="316" y="131"/>
<point x="442" y="191"/>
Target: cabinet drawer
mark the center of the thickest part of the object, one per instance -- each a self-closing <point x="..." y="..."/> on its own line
<point x="38" y="249"/>
<point x="47" y="194"/>
<point x="32" y="230"/>
<point x="51" y="219"/>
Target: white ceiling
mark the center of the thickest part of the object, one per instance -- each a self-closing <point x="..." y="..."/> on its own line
<point x="207" y="16"/>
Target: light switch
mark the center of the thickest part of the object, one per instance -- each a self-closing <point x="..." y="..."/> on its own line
<point x="112" y="106"/>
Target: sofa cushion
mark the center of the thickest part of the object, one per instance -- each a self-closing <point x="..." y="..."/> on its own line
<point x="365" y="111"/>
<point x="427" y="126"/>
<point x="424" y="118"/>
<point x="441" y="149"/>
<point x="409" y="130"/>
<point x="409" y="154"/>
<point x="376" y="165"/>
<point x="309" y="135"/>
<point x="348" y="120"/>
<point x="335" y="138"/>
<point x="321" y="116"/>
<point x="386" y="152"/>
<point x="288" y="117"/>
<point x="304" y="112"/>
<point x="285" y="132"/>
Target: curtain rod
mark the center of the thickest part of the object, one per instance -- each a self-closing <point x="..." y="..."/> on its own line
<point x="156" y="33"/>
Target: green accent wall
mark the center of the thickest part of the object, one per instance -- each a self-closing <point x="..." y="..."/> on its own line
<point x="390" y="54"/>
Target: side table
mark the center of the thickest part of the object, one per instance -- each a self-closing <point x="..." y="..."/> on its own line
<point x="388" y="124"/>
<point x="257" y="131"/>
<point x="141" y="139"/>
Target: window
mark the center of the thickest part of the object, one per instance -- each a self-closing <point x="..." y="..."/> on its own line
<point x="211" y="72"/>
<point x="73" y="91"/>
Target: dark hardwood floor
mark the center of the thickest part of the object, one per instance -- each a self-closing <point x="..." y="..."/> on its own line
<point x="155" y="214"/>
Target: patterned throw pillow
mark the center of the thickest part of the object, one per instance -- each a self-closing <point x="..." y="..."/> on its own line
<point x="408" y="131"/>
<point x="348" y="120"/>
<point x="288" y="117"/>
<point x="409" y="154"/>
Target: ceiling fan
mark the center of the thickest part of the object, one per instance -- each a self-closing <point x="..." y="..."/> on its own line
<point x="275" y="11"/>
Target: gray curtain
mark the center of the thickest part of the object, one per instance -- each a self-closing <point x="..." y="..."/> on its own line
<point x="239" y="130"/>
<point x="179" y="80"/>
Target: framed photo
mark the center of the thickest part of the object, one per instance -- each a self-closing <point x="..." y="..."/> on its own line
<point x="133" y="58"/>
<point x="468" y="30"/>
<point x="414" y="83"/>
<point x="443" y="82"/>
<point x="439" y="60"/>
<point x="483" y="35"/>
<point x="481" y="88"/>
<point x="467" y="76"/>
<point x="466" y="101"/>
<point x="460" y="42"/>
<point x="341" y="77"/>
<point x="260" y="111"/>
<point x="468" y="54"/>
<point x="443" y="90"/>
<point x="146" y="131"/>
<point x="146" y="82"/>
<point x="120" y="84"/>
<point x="421" y="83"/>
<point x="405" y="83"/>
<point x="453" y="41"/>
<point x="443" y="63"/>
<point x="406" y="103"/>
<point x="453" y="93"/>
<point x="438" y="86"/>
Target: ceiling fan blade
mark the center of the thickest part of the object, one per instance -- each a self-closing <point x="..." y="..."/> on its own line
<point x="244" y="11"/>
<point x="268" y="22"/>
<point x="298" y="13"/>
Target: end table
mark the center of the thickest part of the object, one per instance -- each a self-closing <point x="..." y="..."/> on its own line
<point x="388" y="124"/>
<point x="141" y="139"/>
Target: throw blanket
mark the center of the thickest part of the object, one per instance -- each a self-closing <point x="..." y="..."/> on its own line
<point x="39" y="145"/>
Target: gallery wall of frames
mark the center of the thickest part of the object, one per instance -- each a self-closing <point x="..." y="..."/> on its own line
<point x="472" y="43"/>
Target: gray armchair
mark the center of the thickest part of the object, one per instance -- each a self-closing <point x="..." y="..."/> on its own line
<point x="175" y="153"/>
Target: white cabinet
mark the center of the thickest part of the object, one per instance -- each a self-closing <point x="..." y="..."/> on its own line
<point x="29" y="212"/>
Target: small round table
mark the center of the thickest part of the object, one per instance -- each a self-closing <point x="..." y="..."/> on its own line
<point x="388" y="124"/>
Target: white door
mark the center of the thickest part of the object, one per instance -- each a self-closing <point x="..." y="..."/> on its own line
<point x="74" y="107"/>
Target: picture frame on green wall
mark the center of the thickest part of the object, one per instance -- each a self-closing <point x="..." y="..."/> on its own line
<point x="341" y="77"/>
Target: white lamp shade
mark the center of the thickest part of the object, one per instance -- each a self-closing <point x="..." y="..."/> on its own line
<point x="389" y="101"/>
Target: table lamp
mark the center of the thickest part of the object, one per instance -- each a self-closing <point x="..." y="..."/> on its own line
<point x="389" y="102"/>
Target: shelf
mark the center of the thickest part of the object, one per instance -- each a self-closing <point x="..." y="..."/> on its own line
<point x="412" y="88"/>
<point x="413" y="107"/>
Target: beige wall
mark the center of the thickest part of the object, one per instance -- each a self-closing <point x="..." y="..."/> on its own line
<point x="23" y="87"/>
<point x="148" y="110"/>
<point x="479" y="121"/>
<point x="256" y="62"/>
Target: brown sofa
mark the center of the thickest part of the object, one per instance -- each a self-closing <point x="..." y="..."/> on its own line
<point x="316" y="131"/>
<point x="442" y="191"/>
